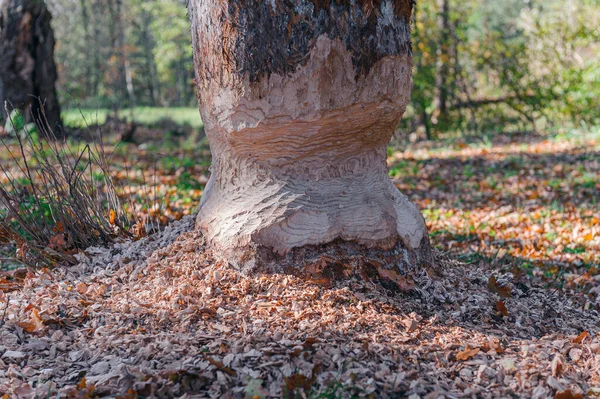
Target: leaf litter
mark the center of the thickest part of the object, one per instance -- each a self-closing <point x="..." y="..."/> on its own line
<point x="161" y="317"/>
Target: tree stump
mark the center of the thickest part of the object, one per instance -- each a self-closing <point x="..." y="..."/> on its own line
<point x="300" y="100"/>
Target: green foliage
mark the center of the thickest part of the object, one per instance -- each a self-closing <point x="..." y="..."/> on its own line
<point x="511" y="65"/>
<point x="102" y="45"/>
<point x="15" y="124"/>
<point x="147" y="116"/>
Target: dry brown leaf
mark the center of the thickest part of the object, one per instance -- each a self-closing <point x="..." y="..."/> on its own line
<point x="221" y="367"/>
<point x="503" y="290"/>
<point x="82" y="288"/>
<point x="581" y="337"/>
<point x="57" y="242"/>
<point x="557" y="366"/>
<point x="403" y="283"/>
<point x="568" y="394"/>
<point x="467" y="354"/>
<point x="35" y="325"/>
<point x="501" y="308"/>
<point x="494" y="344"/>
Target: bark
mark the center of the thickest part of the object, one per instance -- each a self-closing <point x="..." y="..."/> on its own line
<point x="299" y="102"/>
<point x="443" y="60"/>
<point x="27" y="67"/>
<point x="85" y="18"/>
<point x="148" y="45"/>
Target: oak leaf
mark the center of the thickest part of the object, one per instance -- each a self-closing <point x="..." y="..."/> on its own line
<point x="568" y="394"/>
<point x="35" y="325"/>
<point x="57" y="242"/>
<point x="501" y="308"/>
<point x="467" y="354"/>
<point x="499" y="288"/>
<point x="404" y="284"/>
<point x="581" y="337"/>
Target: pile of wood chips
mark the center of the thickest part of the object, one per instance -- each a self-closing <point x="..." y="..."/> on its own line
<point x="160" y="317"/>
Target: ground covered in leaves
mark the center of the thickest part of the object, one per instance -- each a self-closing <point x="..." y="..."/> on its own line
<point x="510" y="310"/>
<point x="160" y="317"/>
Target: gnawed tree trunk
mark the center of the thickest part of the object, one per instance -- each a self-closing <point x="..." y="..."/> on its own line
<point x="299" y="101"/>
<point x="27" y="67"/>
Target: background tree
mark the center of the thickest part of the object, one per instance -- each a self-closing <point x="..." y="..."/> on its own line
<point x="300" y="102"/>
<point x="479" y="63"/>
<point x="27" y="68"/>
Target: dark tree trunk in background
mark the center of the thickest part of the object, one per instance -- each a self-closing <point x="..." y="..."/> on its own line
<point x="300" y="100"/>
<point x="27" y="67"/>
<point x="85" y="17"/>
<point x="148" y="44"/>
<point x="443" y="60"/>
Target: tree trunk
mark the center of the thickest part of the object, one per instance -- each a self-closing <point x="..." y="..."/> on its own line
<point x="443" y="61"/>
<point x="299" y="103"/>
<point x="85" y="18"/>
<point x="27" y="67"/>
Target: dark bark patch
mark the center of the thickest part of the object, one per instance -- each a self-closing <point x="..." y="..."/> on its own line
<point x="27" y="69"/>
<point x="391" y="267"/>
<point x="263" y="37"/>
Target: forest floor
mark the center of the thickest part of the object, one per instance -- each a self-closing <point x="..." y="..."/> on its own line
<point x="509" y="310"/>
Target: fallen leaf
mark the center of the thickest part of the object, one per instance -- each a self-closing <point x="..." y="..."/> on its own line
<point x="35" y="325"/>
<point x="568" y="394"/>
<point x="557" y="365"/>
<point x="82" y="288"/>
<point x="112" y="216"/>
<point x="57" y="242"/>
<point x="467" y="354"/>
<point x="404" y="284"/>
<point x="581" y="337"/>
<point x="501" y="308"/>
<point x="501" y="289"/>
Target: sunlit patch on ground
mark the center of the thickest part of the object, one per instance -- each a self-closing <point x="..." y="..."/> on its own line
<point x="519" y="319"/>
<point x="529" y="206"/>
<point x="161" y="317"/>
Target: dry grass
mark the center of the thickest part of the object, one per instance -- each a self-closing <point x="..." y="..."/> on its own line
<point x="58" y="199"/>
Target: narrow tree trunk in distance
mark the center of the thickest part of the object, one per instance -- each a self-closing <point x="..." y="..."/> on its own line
<point x="299" y="101"/>
<point x="27" y="67"/>
<point x="85" y="18"/>
<point x="443" y="60"/>
<point x="148" y="46"/>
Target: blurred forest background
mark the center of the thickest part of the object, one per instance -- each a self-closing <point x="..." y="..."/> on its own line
<point x="506" y="92"/>
<point x="480" y="66"/>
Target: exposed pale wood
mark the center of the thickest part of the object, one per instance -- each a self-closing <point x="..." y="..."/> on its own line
<point x="299" y="146"/>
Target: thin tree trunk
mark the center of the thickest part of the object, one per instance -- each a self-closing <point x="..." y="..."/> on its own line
<point x="300" y="101"/>
<point x="87" y="36"/>
<point x="421" y="106"/>
<point x="443" y="60"/>
<point x="148" y="47"/>
<point x="98" y="69"/>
